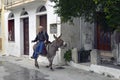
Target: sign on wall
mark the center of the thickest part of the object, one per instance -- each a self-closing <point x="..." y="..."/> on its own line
<point x="53" y="28"/>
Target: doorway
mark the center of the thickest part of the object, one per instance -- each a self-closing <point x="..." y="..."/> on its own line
<point x="26" y="35"/>
<point x="43" y="21"/>
<point x="103" y="39"/>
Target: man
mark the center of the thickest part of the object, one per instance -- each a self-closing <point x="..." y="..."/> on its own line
<point x="41" y="39"/>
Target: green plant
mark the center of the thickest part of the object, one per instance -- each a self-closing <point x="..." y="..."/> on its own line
<point x="68" y="55"/>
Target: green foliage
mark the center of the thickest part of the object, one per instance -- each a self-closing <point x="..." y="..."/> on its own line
<point x="67" y="55"/>
<point x="67" y="9"/>
<point x="90" y="9"/>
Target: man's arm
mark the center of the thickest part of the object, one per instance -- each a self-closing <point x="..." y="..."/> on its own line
<point x="35" y="39"/>
<point x="46" y="37"/>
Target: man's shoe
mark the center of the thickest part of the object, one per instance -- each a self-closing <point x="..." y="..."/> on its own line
<point x="32" y="57"/>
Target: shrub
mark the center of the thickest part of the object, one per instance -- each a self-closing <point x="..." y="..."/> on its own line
<point x="68" y="55"/>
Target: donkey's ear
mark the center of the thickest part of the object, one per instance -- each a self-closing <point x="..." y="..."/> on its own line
<point x="60" y="35"/>
<point x="54" y="36"/>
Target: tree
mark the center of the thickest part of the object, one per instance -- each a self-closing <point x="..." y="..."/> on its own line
<point x="106" y="12"/>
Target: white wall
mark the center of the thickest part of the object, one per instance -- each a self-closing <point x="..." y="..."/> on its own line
<point x="16" y="48"/>
<point x="75" y="34"/>
<point x="71" y="35"/>
<point x="87" y="33"/>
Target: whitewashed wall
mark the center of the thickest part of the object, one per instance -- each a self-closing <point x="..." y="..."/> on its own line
<point x="75" y="35"/>
<point x="16" y="48"/>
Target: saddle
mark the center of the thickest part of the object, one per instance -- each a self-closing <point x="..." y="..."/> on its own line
<point x="44" y="53"/>
<point x="45" y="49"/>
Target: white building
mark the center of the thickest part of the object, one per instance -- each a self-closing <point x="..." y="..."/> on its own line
<point x="21" y="21"/>
<point x="22" y="18"/>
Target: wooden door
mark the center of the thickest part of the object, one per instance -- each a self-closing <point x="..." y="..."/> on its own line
<point x="26" y="35"/>
<point x="103" y="39"/>
<point x="43" y="21"/>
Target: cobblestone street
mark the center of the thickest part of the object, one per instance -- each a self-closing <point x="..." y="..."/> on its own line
<point x="12" y="68"/>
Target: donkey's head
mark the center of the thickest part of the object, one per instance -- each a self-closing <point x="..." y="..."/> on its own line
<point x="59" y="42"/>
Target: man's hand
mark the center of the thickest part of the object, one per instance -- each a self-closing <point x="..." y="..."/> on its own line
<point x="45" y="41"/>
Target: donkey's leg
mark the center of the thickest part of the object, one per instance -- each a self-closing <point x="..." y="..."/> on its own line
<point x="36" y="63"/>
<point x="51" y="61"/>
<point x="51" y="65"/>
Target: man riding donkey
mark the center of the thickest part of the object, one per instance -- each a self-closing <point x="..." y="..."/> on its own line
<point x="40" y="48"/>
<point x="41" y="39"/>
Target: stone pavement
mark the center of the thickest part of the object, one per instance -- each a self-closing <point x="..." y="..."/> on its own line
<point x="22" y="68"/>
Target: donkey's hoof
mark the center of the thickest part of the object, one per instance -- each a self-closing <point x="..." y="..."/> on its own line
<point x="51" y="69"/>
<point x="36" y="66"/>
<point x="47" y="66"/>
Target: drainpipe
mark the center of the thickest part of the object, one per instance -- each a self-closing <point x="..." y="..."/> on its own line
<point x="2" y="26"/>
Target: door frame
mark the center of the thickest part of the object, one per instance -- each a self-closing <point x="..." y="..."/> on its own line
<point x="22" y="35"/>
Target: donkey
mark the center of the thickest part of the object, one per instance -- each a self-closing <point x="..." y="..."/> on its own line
<point x="51" y="50"/>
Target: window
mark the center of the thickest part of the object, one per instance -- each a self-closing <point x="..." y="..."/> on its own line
<point x="11" y="34"/>
<point x="24" y="13"/>
<point x="11" y="15"/>
<point x="41" y="9"/>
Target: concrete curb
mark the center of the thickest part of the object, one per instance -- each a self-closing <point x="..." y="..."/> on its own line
<point x="107" y="71"/>
<point x="79" y="66"/>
